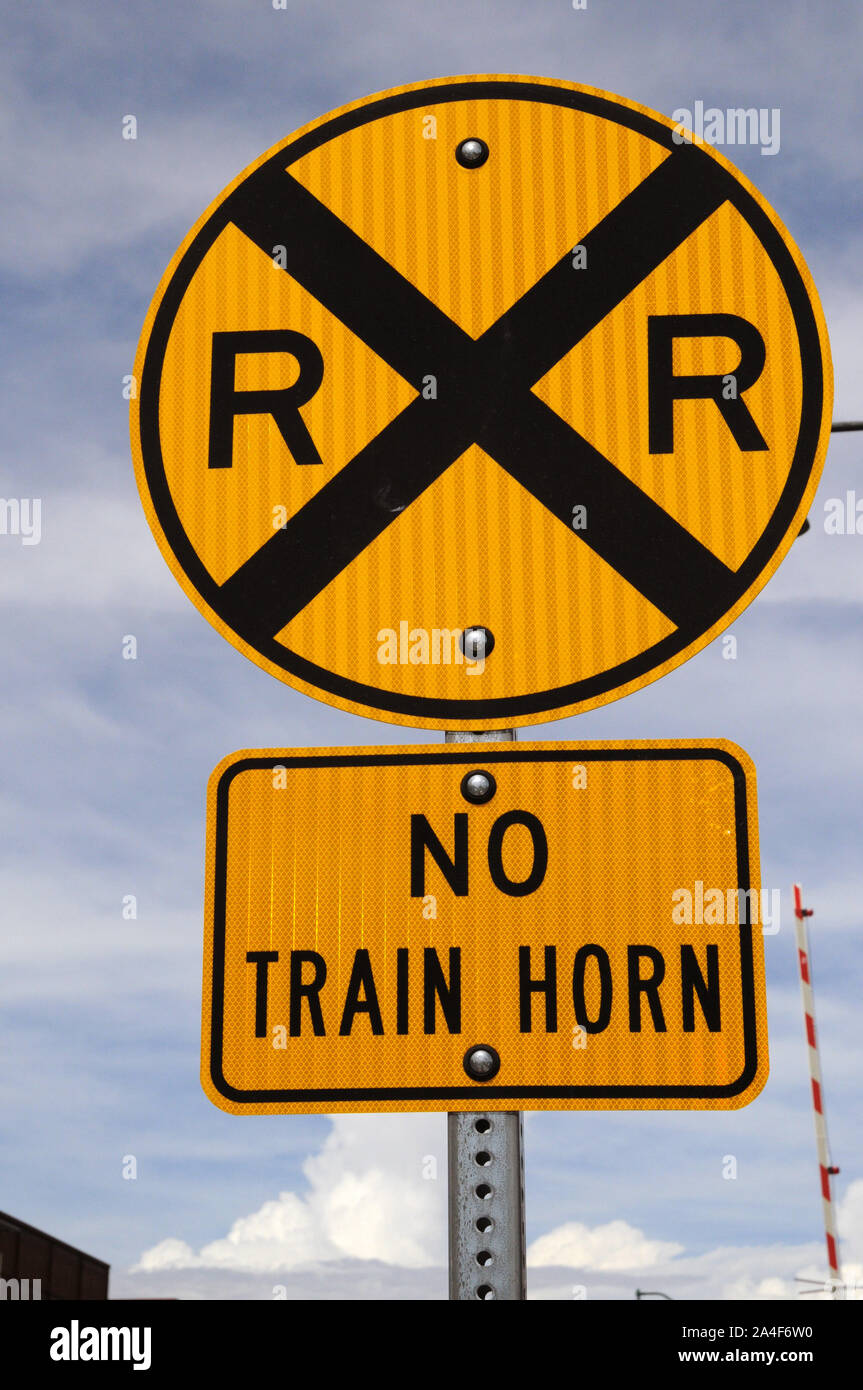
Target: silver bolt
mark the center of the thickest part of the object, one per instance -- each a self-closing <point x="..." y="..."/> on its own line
<point x="481" y="1062"/>
<point x="472" y="153"/>
<point x="477" y="643"/>
<point x="478" y="784"/>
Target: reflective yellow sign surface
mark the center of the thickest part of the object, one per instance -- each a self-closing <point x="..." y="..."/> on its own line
<point x="586" y="915"/>
<point x="485" y="352"/>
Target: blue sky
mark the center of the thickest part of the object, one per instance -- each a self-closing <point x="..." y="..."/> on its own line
<point x="105" y="761"/>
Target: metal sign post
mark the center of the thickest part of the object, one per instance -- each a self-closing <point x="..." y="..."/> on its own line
<point x="486" y="1206"/>
<point x="486" y="1182"/>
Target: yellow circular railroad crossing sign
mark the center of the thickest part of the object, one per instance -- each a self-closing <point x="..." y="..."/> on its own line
<point x="481" y="402"/>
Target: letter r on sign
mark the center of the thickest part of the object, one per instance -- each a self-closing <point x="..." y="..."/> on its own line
<point x="665" y="388"/>
<point x="282" y="402"/>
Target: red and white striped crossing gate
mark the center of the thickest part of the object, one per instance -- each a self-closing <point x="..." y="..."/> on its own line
<point x="826" y="1169"/>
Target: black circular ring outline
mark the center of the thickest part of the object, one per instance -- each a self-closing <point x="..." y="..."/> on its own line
<point x="537" y="702"/>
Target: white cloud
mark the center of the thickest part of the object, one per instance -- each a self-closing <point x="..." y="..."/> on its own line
<point x="369" y="1212"/>
<point x="95" y="551"/>
<point x="368" y="1199"/>
<point x="850" y="1221"/>
<point x="753" y="1273"/>
<point x="369" y="1191"/>
<point x="283" y="1234"/>
<point x="169" y="1254"/>
<point x="616" y="1245"/>
<point x="82" y="190"/>
<point x="134" y="188"/>
<point x="756" y="1272"/>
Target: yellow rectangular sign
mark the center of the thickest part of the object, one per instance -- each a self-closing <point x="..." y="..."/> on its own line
<point x="494" y="926"/>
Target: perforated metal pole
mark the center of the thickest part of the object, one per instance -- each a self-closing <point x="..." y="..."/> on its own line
<point x="486" y="1182"/>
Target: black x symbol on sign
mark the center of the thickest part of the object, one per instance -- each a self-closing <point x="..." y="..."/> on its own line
<point x="484" y="396"/>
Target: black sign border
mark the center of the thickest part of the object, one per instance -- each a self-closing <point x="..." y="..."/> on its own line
<point x="468" y="756"/>
<point x="538" y="702"/>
